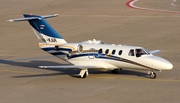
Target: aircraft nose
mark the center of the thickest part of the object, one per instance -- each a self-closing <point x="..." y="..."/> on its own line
<point x="167" y="65"/>
<point x="163" y="64"/>
<point x="160" y="63"/>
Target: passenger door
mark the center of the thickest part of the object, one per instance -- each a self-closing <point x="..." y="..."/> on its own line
<point x="91" y="53"/>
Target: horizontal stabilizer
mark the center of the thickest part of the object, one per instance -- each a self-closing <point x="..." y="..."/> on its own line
<point x="49" y="16"/>
<point x="24" y="19"/>
<point x="34" y="17"/>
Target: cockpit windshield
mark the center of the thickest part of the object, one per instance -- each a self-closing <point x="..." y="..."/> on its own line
<point x="141" y="51"/>
<point x="146" y="51"/>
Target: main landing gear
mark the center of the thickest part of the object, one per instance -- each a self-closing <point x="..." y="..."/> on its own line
<point x="115" y="71"/>
<point x="83" y="73"/>
<point x="152" y="74"/>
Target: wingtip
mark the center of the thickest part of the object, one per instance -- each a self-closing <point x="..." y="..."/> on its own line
<point x="42" y="66"/>
<point x="11" y="20"/>
<point x="56" y="14"/>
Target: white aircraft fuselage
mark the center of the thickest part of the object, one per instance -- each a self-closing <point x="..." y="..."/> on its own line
<point x="90" y="56"/>
<point x="93" y="54"/>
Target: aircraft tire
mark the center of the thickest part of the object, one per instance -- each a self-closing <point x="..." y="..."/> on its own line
<point x="153" y="75"/>
<point x="85" y="74"/>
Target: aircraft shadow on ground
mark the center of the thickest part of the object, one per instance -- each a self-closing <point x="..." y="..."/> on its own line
<point x="71" y="72"/>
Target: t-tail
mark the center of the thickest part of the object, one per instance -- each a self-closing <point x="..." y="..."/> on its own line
<point x="44" y="32"/>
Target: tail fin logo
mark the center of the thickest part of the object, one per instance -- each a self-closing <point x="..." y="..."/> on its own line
<point x="42" y="26"/>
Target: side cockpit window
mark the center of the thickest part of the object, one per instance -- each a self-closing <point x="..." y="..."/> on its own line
<point x="131" y="52"/>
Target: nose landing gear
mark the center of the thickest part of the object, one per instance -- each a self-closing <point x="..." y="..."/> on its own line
<point x="152" y="74"/>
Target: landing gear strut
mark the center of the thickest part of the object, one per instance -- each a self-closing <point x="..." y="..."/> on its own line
<point x="152" y="74"/>
<point x="83" y="73"/>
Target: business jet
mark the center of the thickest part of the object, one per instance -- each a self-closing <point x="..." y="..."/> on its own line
<point x="93" y="54"/>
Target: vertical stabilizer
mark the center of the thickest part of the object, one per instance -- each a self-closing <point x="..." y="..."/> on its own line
<point x="44" y="32"/>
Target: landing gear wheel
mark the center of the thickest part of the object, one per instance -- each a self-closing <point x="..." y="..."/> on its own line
<point x="115" y="71"/>
<point x="85" y="74"/>
<point x="153" y="75"/>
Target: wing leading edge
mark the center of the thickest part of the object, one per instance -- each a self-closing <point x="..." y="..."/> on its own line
<point x="70" y="66"/>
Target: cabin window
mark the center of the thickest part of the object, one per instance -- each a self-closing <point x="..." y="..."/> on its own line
<point x="120" y="52"/>
<point x="100" y="51"/>
<point x="113" y="52"/>
<point x="107" y="51"/>
<point x="131" y="52"/>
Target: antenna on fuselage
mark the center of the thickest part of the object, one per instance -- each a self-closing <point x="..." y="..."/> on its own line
<point x="95" y="41"/>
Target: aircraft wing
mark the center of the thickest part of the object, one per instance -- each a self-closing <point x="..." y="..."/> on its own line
<point x="70" y="66"/>
<point x="154" y="51"/>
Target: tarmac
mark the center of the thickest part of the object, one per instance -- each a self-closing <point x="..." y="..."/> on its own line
<point x="21" y="81"/>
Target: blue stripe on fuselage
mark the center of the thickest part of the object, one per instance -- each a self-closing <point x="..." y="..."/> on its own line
<point x="96" y="55"/>
<point x="102" y="56"/>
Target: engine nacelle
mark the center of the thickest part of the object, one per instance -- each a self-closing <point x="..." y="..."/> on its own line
<point x="80" y="48"/>
<point x="70" y="48"/>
